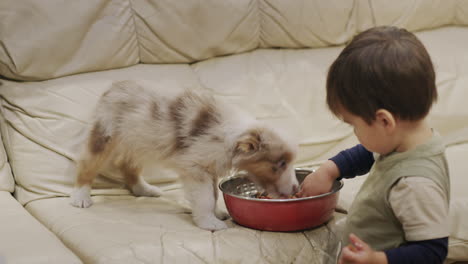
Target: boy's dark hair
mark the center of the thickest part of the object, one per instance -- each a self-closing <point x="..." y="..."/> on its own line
<point x="382" y="67"/>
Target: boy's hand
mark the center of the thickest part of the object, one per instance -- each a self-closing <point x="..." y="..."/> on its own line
<point x="359" y="252"/>
<point x="320" y="181"/>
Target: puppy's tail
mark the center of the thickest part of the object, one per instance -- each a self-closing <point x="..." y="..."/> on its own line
<point x="123" y="98"/>
<point x="104" y="119"/>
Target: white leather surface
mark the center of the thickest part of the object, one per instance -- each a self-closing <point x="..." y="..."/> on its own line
<point x="7" y="183"/>
<point x="68" y="38"/>
<point x="188" y="31"/>
<point x="24" y="240"/>
<point x="461" y="12"/>
<point x="414" y="15"/>
<point x="125" y="229"/>
<point x="47" y="39"/>
<point x="308" y="23"/>
<point x="447" y="47"/>
<point x="458" y="165"/>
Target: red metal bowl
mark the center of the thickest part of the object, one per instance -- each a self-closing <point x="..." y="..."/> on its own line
<point x="277" y="214"/>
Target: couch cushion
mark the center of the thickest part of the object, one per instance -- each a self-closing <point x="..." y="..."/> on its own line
<point x="46" y="124"/>
<point x="188" y="31"/>
<point x="7" y="183"/>
<point x="25" y="240"/>
<point x="48" y="39"/>
<point x="118" y="33"/>
<point x="447" y="47"/>
<point x="461" y="12"/>
<point x="308" y="23"/>
<point x="458" y="164"/>
<point x="125" y="229"/>
<point x="414" y="15"/>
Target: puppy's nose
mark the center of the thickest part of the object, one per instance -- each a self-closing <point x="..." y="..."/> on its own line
<point x="295" y="188"/>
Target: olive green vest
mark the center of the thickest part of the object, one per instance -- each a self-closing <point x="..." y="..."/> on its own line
<point x="371" y="217"/>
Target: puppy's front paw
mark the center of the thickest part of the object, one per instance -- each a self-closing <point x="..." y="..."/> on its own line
<point x="81" y="198"/>
<point x="210" y="223"/>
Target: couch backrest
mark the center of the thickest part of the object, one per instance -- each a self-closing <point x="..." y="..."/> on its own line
<point x="48" y="39"/>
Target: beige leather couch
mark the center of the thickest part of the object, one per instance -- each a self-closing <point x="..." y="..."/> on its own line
<point x="268" y="56"/>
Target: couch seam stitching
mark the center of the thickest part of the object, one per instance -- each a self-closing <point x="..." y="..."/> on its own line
<point x="135" y="30"/>
<point x="261" y="42"/>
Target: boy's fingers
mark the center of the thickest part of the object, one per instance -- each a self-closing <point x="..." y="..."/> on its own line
<point x="352" y="248"/>
<point x="340" y="261"/>
<point x="348" y="256"/>
<point x="350" y="253"/>
<point x="356" y="241"/>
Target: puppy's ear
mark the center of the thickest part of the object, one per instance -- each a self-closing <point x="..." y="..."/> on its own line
<point x="249" y="142"/>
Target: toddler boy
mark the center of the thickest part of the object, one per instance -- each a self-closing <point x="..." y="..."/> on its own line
<point x="383" y="85"/>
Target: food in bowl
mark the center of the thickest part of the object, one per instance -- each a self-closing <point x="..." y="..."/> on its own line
<point x="265" y="195"/>
<point x="246" y="208"/>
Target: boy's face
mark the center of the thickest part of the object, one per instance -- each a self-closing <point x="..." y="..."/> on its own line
<point x="374" y="137"/>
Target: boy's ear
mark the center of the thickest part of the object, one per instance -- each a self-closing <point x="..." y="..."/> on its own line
<point x="385" y="119"/>
<point x="248" y="143"/>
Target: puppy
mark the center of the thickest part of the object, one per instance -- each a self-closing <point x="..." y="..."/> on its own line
<point x="191" y="133"/>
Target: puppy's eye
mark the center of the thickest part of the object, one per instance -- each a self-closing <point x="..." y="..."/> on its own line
<point x="282" y="164"/>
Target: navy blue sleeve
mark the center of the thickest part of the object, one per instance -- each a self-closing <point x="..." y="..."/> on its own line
<point x="432" y="251"/>
<point x="353" y="161"/>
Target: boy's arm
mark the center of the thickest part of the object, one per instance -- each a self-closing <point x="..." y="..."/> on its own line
<point x="347" y="164"/>
<point x="353" y="161"/>
<point x="432" y="251"/>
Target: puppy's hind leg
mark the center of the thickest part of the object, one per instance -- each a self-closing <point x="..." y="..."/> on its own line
<point x="95" y="156"/>
<point x="199" y="192"/>
<point x="135" y="181"/>
<point x="81" y="194"/>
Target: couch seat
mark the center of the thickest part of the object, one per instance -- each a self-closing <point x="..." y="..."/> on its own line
<point x="127" y="229"/>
